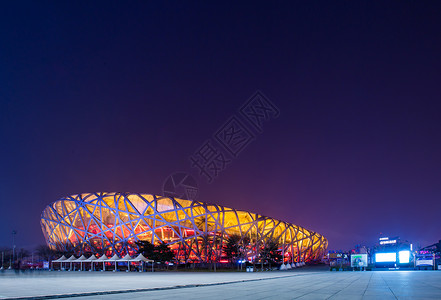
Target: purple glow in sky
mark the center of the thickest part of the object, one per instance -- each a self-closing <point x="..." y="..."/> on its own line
<point x="102" y="96"/>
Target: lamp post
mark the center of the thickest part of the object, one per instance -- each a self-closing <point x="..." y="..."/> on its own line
<point x="3" y="257"/>
<point x="33" y="266"/>
<point x="13" y="244"/>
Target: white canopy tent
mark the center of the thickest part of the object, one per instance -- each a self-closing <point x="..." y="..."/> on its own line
<point x="127" y="258"/>
<point x="115" y="259"/>
<point x="60" y="260"/>
<point x="141" y="258"/>
<point x="80" y="260"/>
<point x="91" y="259"/>
<point x="71" y="259"/>
<point x="103" y="258"/>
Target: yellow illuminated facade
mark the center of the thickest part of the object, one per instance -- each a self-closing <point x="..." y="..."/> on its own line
<point x="111" y="223"/>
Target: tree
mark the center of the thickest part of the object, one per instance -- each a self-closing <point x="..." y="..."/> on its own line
<point x="22" y="253"/>
<point x="146" y="248"/>
<point x="46" y="253"/>
<point x="210" y="247"/>
<point x="216" y="241"/>
<point x="244" y="246"/>
<point x="232" y="248"/>
<point x="270" y="252"/>
<point x="185" y="249"/>
<point x="163" y="253"/>
<point x="205" y="247"/>
<point x="183" y="252"/>
<point x="158" y="253"/>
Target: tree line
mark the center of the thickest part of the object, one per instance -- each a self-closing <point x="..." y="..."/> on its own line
<point x="233" y="248"/>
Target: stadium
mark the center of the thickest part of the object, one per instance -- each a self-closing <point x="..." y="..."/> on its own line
<point x="111" y="223"/>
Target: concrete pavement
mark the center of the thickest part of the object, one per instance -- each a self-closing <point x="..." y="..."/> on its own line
<point x="296" y="284"/>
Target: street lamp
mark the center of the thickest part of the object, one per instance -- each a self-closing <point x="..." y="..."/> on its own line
<point x="33" y="267"/>
<point x="13" y="244"/>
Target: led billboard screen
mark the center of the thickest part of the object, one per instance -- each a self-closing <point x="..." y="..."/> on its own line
<point x="404" y="256"/>
<point x="386" y="257"/>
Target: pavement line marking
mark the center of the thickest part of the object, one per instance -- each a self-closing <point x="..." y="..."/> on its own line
<point x="58" y="296"/>
<point x="367" y="286"/>
<point x="388" y="286"/>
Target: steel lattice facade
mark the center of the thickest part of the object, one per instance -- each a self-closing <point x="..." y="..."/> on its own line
<point x="109" y="223"/>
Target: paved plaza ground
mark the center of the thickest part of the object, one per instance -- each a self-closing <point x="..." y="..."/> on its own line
<point x="308" y="283"/>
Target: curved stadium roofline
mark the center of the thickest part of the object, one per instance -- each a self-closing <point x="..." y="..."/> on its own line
<point x="111" y="223"/>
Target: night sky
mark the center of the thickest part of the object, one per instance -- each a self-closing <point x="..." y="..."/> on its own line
<point x="116" y="96"/>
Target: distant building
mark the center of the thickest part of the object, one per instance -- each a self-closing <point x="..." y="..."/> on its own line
<point x="392" y="253"/>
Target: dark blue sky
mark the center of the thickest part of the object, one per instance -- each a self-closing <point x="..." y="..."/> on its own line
<point x="115" y="96"/>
